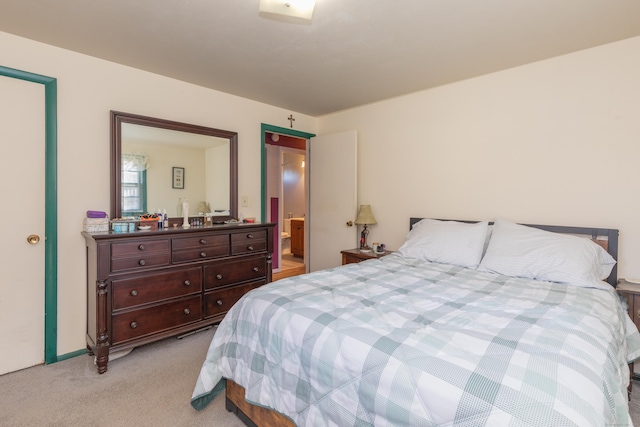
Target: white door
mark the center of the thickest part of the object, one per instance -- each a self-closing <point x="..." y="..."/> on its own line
<point x="332" y="173"/>
<point x="22" y="173"/>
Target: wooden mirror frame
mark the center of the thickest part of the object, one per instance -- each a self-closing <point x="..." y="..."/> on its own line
<point x="117" y="118"/>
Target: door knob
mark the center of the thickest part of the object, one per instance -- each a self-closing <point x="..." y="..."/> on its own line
<point x="33" y="239"/>
<point x="349" y="223"/>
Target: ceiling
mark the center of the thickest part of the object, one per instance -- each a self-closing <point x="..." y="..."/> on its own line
<point x="353" y="53"/>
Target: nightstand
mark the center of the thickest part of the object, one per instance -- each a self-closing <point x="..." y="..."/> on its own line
<point x="351" y="256"/>
<point x="631" y="292"/>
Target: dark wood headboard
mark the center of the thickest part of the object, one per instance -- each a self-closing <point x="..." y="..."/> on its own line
<point x="611" y="235"/>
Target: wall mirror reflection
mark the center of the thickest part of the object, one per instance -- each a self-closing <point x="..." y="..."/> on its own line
<point x="157" y="164"/>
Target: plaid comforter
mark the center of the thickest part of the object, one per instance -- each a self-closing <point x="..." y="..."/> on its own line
<point x="401" y="342"/>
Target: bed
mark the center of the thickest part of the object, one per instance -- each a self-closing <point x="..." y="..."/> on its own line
<point x="468" y="324"/>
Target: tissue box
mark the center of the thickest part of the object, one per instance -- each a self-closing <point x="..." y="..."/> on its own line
<point x="95" y="225"/>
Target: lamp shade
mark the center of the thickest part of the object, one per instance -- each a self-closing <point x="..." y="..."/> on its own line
<point x="203" y="207"/>
<point x="365" y="216"/>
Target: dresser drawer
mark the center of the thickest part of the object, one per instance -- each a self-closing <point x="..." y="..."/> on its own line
<point x="249" y="247"/>
<point x="227" y="272"/>
<point x="143" y="260"/>
<point x="199" y="254"/>
<point x="200" y="241"/>
<point x="137" y="323"/>
<point x="221" y="301"/>
<point x="155" y="287"/>
<point x="248" y="236"/>
<point x="139" y="247"/>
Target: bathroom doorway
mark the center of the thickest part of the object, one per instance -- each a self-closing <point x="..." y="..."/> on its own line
<point x="286" y="201"/>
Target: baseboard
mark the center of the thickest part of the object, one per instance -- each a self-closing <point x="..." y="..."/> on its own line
<point x="73" y="354"/>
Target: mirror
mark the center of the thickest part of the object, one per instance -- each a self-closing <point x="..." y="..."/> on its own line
<point x="157" y="163"/>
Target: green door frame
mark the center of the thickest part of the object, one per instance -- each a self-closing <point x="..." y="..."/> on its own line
<point x="51" y="207"/>
<point x="263" y="159"/>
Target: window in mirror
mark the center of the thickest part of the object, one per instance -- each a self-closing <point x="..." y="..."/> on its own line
<point x="134" y="184"/>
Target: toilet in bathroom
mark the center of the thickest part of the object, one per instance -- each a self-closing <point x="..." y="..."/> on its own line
<point x="285" y="236"/>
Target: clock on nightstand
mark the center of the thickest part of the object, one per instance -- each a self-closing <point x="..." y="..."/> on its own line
<point x="351" y="256"/>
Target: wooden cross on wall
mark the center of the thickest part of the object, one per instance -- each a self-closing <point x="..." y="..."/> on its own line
<point x="291" y="119"/>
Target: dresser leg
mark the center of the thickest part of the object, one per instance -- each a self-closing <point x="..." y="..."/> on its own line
<point x="89" y="350"/>
<point x="102" y="359"/>
<point x="102" y="316"/>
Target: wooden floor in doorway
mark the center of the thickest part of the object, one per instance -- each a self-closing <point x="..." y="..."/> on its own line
<point x="291" y="266"/>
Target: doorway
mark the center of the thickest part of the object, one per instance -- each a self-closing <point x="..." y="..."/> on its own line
<point x="285" y="197"/>
<point x="44" y="301"/>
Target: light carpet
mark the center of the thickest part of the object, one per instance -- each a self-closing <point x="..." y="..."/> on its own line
<point x="151" y="386"/>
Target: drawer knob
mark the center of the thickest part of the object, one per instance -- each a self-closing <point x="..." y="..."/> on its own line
<point x="203" y="242"/>
<point x="219" y="276"/>
<point x="142" y="262"/>
<point x="256" y="269"/>
<point x="250" y="248"/>
<point x="249" y="236"/>
<point x="142" y="247"/>
<point x="134" y="293"/>
<point x="133" y="325"/>
<point x="187" y="311"/>
<point x="187" y="282"/>
<point x="219" y="302"/>
<point x="638" y="314"/>
<point x="203" y="254"/>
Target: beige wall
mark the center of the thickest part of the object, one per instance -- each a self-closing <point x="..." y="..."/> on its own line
<point x="88" y="88"/>
<point x="554" y="142"/>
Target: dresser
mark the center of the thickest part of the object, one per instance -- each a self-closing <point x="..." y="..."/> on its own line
<point x="144" y="286"/>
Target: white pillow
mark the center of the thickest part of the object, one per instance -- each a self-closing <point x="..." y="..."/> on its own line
<point x="446" y="242"/>
<point x="519" y="251"/>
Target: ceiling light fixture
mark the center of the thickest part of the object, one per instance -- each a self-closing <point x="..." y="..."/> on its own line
<point x="296" y="9"/>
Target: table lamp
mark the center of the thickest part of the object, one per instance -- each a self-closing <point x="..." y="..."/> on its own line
<point x="365" y="218"/>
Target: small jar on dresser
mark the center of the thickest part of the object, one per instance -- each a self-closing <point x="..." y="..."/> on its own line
<point x="144" y="286"/>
